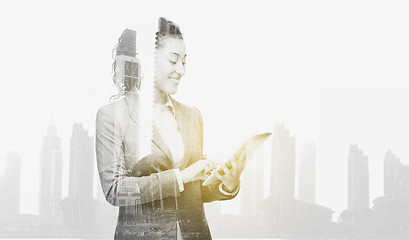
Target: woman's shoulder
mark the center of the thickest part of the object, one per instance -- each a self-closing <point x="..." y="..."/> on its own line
<point x="185" y="108"/>
<point x="113" y="110"/>
<point x="120" y="110"/>
<point x="191" y="111"/>
<point x="113" y="106"/>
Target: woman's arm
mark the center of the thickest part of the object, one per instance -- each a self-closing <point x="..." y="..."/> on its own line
<point x="119" y="187"/>
<point x="211" y="192"/>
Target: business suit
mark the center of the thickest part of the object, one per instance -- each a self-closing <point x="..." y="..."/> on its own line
<point x="146" y="190"/>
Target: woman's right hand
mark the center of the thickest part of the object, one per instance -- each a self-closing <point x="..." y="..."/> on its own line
<point x="199" y="170"/>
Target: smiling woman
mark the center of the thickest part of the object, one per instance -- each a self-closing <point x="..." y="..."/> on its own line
<point x="170" y="64"/>
<point x="161" y="195"/>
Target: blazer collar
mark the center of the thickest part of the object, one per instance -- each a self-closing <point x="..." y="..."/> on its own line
<point x="132" y="101"/>
<point x="183" y="118"/>
<point x="159" y="143"/>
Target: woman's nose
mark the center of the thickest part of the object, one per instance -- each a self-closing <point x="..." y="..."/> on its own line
<point x="180" y="68"/>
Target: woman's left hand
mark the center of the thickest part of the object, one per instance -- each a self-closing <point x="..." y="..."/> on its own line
<point x="231" y="177"/>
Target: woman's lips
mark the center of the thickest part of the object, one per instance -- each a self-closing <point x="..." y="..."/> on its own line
<point x="175" y="80"/>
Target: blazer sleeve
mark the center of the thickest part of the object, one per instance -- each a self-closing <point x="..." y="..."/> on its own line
<point x="211" y="192"/>
<point x="119" y="187"/>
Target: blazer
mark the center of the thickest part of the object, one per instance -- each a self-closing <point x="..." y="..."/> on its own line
<point x="146" y="190"/>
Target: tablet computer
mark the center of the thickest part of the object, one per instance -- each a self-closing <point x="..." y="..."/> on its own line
<point x="249" y="147"/>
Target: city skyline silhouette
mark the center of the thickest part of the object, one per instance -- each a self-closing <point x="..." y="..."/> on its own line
<point x="256" y="211"/>
<point x="332" y="72"/>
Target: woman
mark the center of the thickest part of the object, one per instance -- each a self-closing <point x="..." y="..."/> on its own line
<point x="160" y="196"/>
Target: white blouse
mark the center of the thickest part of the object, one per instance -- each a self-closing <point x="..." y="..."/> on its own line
<point x="165" y="121"/>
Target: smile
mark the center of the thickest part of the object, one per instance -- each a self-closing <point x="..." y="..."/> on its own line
<point x="175" y="80"/>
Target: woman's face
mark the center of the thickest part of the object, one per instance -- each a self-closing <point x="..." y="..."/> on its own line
<point x="170" y="64"/>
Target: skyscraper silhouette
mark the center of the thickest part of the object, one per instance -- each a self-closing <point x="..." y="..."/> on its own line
<point x="279" y="205"/>
<point x="282" y="163"/>
<point x="81" y="163"/>
<point x="392" y="209"/>
<point x="396" y="177"/>
<point x="358" y="180"/>
<point x="306" y="179"/>
<point x="252" y="187"/>
<point x="10" y="185"/>
<point x="50" y="172"/>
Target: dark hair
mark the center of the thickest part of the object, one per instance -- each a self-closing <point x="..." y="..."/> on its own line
<point x="166" y="29"/>
<point x="126" y="46"/>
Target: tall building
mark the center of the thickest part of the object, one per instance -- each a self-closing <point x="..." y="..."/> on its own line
<point x="80" y="182"/>
<point x="252" y="187"/>
<point x="306" y="179"/>
<point x="10" y="185"/>
<point x="282" y="163"/>
<point x="282" y="211"/>
<point x="392" y="209"/>
<point x="358" y="180"/>
<point x="50" y="172"/>
<point x="56" y="179"/>
<point x="396" y="177"/>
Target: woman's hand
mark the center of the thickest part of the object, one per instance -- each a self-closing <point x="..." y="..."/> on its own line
<point x="199" y="170"/>
<point x="231" y="177"/>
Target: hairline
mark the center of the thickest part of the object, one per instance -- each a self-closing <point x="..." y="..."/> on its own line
<point x="159" y="42"/>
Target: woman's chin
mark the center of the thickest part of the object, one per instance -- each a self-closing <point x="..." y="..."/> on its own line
<point x="167" y="89"/>
<point x="172" y="90"/>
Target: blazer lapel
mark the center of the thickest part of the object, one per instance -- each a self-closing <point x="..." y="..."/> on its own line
<point x="132" y="100"/>
<point x="160" y="144"/>
<point x="183" y="120"/>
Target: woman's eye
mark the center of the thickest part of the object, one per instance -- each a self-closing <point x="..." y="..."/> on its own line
<point x="173" y="63"/>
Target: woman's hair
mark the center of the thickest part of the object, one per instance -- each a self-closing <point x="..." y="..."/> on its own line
<point x="166" y="29"/>
<point x="114" y="73"/>
<point x="126" y="46"/>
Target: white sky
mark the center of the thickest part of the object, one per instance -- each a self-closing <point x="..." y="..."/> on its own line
<point x="332" y="71"/>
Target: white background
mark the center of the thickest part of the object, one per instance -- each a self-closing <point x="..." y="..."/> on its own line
<point x="334" y="72"/>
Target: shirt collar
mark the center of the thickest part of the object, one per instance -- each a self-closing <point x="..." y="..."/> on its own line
<point x="169" y="104"/>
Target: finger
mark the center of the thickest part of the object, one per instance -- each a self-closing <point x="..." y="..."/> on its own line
<point x="238" y="165"/>
<point x="229" y="162"/>
<point x="225" y="169"/>
<point x="199" y="164"/>
<point x="234" y="164"/>
<point x="242" y="155"/>
<point x="242" y="159"/>
<point x="218" y="176"/>
<point x="212" y="165"/>
<point x="237" y="154"/>
<point x="205" y="166"/>
<point x="205" y="176"/>
<point x="220" y="170"/>
<point x="234" y="171"/>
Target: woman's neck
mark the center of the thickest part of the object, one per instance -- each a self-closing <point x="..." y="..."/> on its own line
<point x="160" y="97"/>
